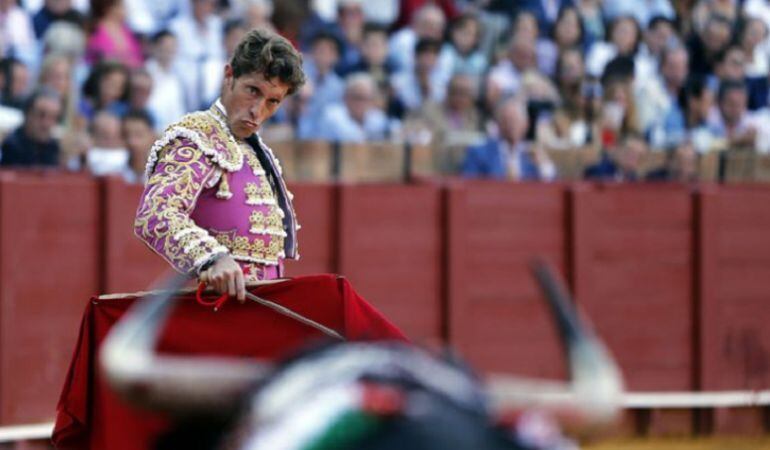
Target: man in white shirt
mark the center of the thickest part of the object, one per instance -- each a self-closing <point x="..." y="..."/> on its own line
<point x="357" y="119"/>
<point x="428" y="23"/>
<point x="167" y="101"/>
<point x="202" y="35"/>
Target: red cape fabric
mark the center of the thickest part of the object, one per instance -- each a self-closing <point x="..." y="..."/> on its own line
<point x="90" y="416"/>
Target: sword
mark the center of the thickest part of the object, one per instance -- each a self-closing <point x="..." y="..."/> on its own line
<point x="280" y="309"/>
<point x="294" y="315"/>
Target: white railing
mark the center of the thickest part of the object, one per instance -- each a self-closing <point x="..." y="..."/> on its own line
<point x="632" y="400"/>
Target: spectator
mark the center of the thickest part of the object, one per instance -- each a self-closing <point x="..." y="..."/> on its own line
<point x="409" y="10"/>
<point x="658" y="100"/>
<point x="456" y="121"/>
<point x="17" y="37"/>
<point x="698" y="109"/>
<point x="16" y="83"/>
<point x="357" y="119"/>
<point x="69" y="40"/>
<point x="641" y="10"/>
<point x="139" y="136"/>
<point x="752" y="37"/>
<point x="618" y="94"/>
<point x="569" y="31"/>
<point x="52" y="11"/>
<point x="34" y="144"/>
<point x="734" y="122"/>
<point x="149" y="17"/>
<point x="381" y="12"/>
<point x="166" y="102"/>
<point x="56" y="74"/>
<point x="621" y="164"/>
<point x="108" y="154"/>
<point x="425" y="81"/>
<point x="257" y="14"/>
<point x="546" y="12"/>
<point x="707" y="44"/>
<point x="428" y="23"/>
<point x="328" y="87"/>
<point x="592" y="19"/>
<point x="758" y="9"/>
<point x="624" y="38"/>
<point x="139" y="91"/>
<point x="105" y="88"/>
<point x="506" y="75"/>
<point x="704" y="9"/>
<point x="462" y="54"/>
<point x="374" y="55"/>
<point x="211" y="68"/>
<point x="350" y="19"/>
<point x="730" y="64"/>
<point x="202" y="33"/>
<point x="660" y="34"/>
<point x="570" y="126"/>
<point x="507" y="156"/>
<point x="681" y="165"/>
<point x="525" y="27"/>
<point x="111" y="38"/>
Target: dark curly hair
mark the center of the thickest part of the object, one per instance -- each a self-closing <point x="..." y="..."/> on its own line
<point x="270" y="54"/>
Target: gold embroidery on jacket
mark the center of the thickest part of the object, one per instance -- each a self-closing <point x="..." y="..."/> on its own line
<point x="259" y="195"/>
<point x="244" y="249"/>
<point x="163" y="220"/>
<point x="266" y="224"/>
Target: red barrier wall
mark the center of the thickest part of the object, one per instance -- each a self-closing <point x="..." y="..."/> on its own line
<point x="734" y="292"/>
<point x="633" y="275"/>
<point x="129" y="265"/>
<point x="49" y="267"/>
<point x="675" y="282"/>
<point x="497" y="318"/>
<point x="390" y="247"/>
<point x="316" y="207"/>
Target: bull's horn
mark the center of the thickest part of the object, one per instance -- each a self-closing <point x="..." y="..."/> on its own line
<point x="595" y="389"/>
<point x="179" y="385"/>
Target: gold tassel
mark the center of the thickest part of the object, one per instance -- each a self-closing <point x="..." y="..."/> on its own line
<point x="224" y="188"/>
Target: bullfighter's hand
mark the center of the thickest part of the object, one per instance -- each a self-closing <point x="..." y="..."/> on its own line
<point x="226" y="276"/>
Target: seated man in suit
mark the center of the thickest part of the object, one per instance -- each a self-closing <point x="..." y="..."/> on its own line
<point x="508" y="156"/>
<point x="620" y="164"/>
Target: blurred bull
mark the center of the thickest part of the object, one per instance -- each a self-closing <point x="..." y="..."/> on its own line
<point x="378" y="396"/>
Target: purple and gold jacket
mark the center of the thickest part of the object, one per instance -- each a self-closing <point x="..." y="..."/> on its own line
<point x="208" y="194"/>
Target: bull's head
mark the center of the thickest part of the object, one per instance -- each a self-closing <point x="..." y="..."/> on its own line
<point x="189" y="386"/>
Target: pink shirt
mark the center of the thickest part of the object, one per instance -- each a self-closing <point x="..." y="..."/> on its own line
<point x="102" y="46"/>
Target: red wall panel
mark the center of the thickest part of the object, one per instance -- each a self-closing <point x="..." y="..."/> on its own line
<point x="129" y="265"/>
<point x="734" y="287"/>
<point x="49" y="267"/>
<point x="633" y="259"/>
<point x="316" y="207"/>
<point x="497" y="317"/>
<point x="390" y="247"/>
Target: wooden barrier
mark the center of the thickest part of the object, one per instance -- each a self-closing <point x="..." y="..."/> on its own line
<point x="316" y="207"/>
<point x="497" y="318"/>
<point x="372" y="162"/>
<point x="129" y="265"/>
<point x="49" y="267"/>
<point x="390" y="247"/>
<point x="313" y="162"/>
<point x="675" y="281"/>
<point x="633" y="255"/>
<point x="633" y="263"/>
<point x="734" y="281"/>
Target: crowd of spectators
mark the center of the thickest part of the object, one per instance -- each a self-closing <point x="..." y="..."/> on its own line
<point x="90" y="85"/>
